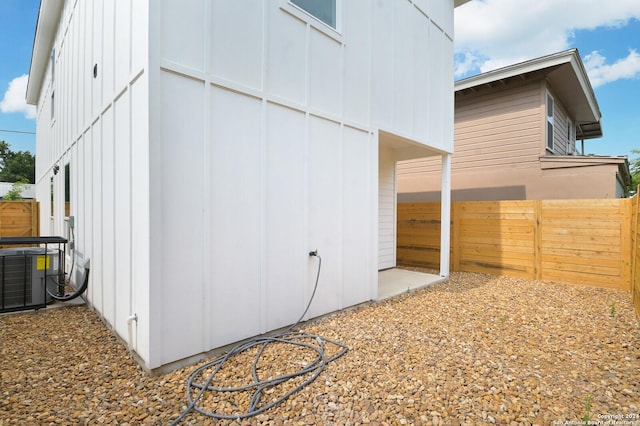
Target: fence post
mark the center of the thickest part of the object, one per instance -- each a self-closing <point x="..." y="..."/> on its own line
<point x="35" y="218"/>
<point x="634" y="279"/>
<point x="625" y="244"/>
<point x="537" y="239"/>
<point x="455" y="235"/>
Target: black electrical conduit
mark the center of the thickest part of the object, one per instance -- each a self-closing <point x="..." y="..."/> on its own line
<point x="261" y="385"/>
<point x="70" y="296"/>
<point x="65" y="297"/>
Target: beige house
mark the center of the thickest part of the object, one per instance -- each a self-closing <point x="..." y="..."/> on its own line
<point x="519" y="135"/>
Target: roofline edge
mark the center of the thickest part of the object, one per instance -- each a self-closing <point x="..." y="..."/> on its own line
<point x="46" y="28"/>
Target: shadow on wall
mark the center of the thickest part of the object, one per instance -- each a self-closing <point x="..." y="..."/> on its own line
<point x="516" y="192"/>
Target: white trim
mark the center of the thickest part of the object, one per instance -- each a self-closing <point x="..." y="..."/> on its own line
<point x="571" y="136"/>
<point x="582" y="89"/>
<point x="316" y="23"/>
<point x="549" y="120"/>
<point x="515" y="70"/>
<point x="46" y="27"/>
<point x="445" y="215"/>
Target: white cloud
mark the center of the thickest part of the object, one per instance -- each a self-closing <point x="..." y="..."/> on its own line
<point x="14" y="99"/>
<point x="465" y="63"/>
<point x="600" y="73"/>
<point x="504" y="32"/>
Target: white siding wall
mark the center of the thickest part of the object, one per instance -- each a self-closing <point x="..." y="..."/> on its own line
<point x="412" y="92"/>
<point x="386" y="209"/>
<point x="255" y="77"/>
<point x="284" y="173"/>
<point x="412" y="60"/>
<point x="100" y="128"/>
<point x="258" y="128"/>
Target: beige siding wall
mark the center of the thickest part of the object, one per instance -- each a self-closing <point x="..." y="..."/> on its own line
<point x="576" y="183"/>
<point x="498" y="130"/>
<point x="493" y="131"/>
<point x="500" y="135"/>
<point x="511" y="183"/>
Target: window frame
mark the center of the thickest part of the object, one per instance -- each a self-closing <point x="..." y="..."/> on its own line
<point x="53" y="65"/>
<point x="550" y="122"/>
<point x="53" y="106"/>
<point x="314" y="21"/>
<point x="571" y="140"/>
<point x="53" y="85"/>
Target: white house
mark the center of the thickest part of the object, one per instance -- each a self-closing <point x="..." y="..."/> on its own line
<point x="211" y="144"/>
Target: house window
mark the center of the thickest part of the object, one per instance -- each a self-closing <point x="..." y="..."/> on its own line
<point x="550" y="122"/>
<point x="324" y="10"/>
<point x="571" y="142"/>
<point x="53" y="74"/>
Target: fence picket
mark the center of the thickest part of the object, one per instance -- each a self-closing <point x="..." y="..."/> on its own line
<point x="576" y="241"/>
<point x="19" y="218"/>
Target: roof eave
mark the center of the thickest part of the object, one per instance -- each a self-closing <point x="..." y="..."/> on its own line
<point x="457" y="3"/>
<point x="515" y="70"/>
<point x="561" y="68"/>
<point x="46" y="27"/>
<point x="585" y="84"/>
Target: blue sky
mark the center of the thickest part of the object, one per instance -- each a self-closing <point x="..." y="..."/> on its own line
<point x="489" y="34"/>
<point x="17" y="27"/>
<point x="495" y="33"/>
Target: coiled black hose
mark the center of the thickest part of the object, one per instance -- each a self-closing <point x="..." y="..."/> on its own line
<point x="258" y="387"/>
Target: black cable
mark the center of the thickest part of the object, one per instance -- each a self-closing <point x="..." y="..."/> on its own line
<point x="261" y="386"/>
<point x="83" y="287"/>
<point x="73" y="257"/>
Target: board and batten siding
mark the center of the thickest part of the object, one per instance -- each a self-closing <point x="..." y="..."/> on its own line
<point x="287" y="110"/>
<point x="220" y="142"/>
<point x="251" y="77"/>
<point x="98" y="126"/>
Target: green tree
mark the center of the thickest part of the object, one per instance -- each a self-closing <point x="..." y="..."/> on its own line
<point x="15" y="193"/>
<point x="634" y="168"/>
<point x="16" y="166"/>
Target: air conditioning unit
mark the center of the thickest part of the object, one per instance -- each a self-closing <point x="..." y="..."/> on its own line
<point x="25" y="272"/>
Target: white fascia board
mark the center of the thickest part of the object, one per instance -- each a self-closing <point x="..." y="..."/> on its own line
<point x="516" y="69"/>
<point x="46" y="27"/>
<point x="457" y="3"/>
<point x="570" y="57"/>
<point x="585" y="83"/>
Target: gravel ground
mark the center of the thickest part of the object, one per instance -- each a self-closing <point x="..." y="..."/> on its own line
<point x="477" y="349"/>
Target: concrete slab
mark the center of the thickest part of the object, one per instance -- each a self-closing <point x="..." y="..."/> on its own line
<point x="392" y="282"/>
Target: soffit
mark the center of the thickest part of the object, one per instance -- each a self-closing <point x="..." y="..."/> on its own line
<point x="566" y="78"/>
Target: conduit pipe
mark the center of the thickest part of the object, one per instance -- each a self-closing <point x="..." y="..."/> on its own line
<point x="130" y="320"/>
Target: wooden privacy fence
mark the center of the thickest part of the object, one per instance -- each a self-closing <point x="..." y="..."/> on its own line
<point x="19" y="218"/>
<point x="574" y="241"/>
<point x="635" y="252"/>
